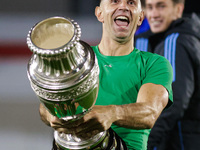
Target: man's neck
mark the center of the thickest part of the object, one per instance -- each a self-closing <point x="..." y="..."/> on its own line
<point x="111" y="47"/>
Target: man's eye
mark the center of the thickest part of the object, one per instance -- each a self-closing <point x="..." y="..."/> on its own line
<point x="115" y="1"/>
<point x="131" y="2"/>
<point x="162" y="6"/>
<point x="149" y="7"/>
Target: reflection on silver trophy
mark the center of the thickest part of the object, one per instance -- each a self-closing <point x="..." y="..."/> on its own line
<point x="63" y="72"/>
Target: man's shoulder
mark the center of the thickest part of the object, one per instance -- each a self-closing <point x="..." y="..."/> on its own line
<point x="151" y="57"/>
<point x="186" y="27"/>
<point x="183" y="41"/>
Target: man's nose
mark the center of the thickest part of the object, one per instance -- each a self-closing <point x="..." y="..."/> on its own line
<point x="154" y="12"/>
<point x="123" y="5"/>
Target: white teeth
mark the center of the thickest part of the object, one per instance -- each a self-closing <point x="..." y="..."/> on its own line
<point x="122" y="17"/>
<point x="156" y="22"/>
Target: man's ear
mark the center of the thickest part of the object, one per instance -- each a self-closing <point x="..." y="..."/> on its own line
<point x="179" y="9"/>
<point x="141" y="18"/>
<point x="99" y="14"/>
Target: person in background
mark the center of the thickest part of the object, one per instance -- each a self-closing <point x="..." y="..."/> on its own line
<point x="134" y="86"/>
<point x="177" y="39"/>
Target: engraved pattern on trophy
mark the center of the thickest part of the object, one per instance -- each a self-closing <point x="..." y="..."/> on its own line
<point x="71" y="93"/>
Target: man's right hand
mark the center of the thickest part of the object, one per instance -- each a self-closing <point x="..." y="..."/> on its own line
<point x="50" y="120"/>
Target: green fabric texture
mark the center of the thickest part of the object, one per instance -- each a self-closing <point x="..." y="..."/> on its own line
<point x="120" y="79"/>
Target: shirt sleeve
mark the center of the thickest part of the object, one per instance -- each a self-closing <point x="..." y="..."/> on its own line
<point x="159" y="71"/>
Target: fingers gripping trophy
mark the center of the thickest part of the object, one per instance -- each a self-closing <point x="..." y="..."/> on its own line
<point x="63" y="72"/>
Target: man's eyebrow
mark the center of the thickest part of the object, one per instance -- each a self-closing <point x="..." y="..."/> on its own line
<point x="157" y="4"/>
<point x="160" y="3"/>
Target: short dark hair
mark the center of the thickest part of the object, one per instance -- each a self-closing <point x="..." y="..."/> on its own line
<point x="178" y="1"/>
<point x="174" y="1"/>
<point x="142" y="3"/>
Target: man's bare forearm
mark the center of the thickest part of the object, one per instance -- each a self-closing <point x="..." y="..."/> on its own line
<point x="151" y="100"/>
<point x="136" y="116"/>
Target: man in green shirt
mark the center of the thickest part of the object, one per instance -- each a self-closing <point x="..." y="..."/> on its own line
<point x="134" y="86"/>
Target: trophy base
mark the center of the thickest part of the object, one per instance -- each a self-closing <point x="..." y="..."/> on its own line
<point x="107" y="140"/>
<point x="71" y="142"/>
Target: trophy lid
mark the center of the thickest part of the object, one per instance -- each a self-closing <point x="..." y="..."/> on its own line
<point x="53" y="36"/>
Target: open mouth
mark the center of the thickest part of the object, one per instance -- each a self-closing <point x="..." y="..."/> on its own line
<point x="156" y="23"/>
<point x="122" y="21"/>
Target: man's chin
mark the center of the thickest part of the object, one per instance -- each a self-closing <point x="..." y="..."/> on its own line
<point x="157" y="29"/>
<point x="121" y="34"/>
<point x="121" y="39"/>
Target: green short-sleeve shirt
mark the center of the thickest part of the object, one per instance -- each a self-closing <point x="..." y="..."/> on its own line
<point x="120" y="79"/>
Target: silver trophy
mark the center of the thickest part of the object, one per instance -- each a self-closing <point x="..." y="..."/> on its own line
<point x="63" y="72"/>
